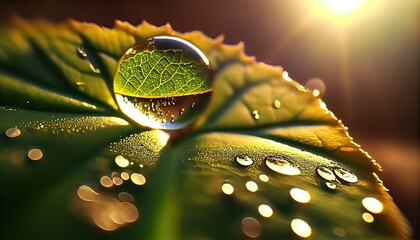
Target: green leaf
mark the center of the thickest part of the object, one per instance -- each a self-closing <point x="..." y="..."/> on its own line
<point x="160" y="74"/>
<point x="253" y="111"/>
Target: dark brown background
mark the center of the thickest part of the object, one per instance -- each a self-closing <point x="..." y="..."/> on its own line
<point x="370" y="66"/>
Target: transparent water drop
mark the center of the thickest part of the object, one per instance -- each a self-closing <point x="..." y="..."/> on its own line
<point x="255" y="114"/>
<point x="277" y="104"/>
<point x="331" y="185"/>
<point x="81" y="52"/>
<point x="35" y="154"/>
<point x="345" y="175"/>
<point x="152" y="73"/>
<point x="12" y="132"/>
<point x="281" y="165"/>
<point x="244" y="160"/>
<point x="325" y="173"/>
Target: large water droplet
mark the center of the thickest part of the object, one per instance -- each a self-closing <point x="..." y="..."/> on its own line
<point x="345" y="175"/>
<point x="163" y="83"/>
<point x="325" y="173"/>
<point x="281" y="165"/>
<point x="244" y="160"/>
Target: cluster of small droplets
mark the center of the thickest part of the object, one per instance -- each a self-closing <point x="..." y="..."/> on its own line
<point x="333" y="175"/>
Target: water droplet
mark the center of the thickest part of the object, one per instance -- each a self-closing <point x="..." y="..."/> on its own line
<point x="277" y="104"/>
<point x="264" y="178"/>
<point x="325" y="173"/>
<point x="35" y="154"/>
<point x="251" y="227"/>
<point x="81" y="52"/>
<point x="251" y="186"/>
<point x="227" y="188"/>
<point x="138" y="179"/>
<point x="367" y="217"/>
<point x="331" y="185"/>
<point x="301" y="228"/>
<point x="373" y="205"/>
<point x="166" y="86"/>
<point x="345" y="175"/>
<point x="281" y="165"/>
<point x="12" y="132"/>
<point x="255" y="114"/>
<point x="300" y="195"/>
<point x="244" y="160"/>
<point x="265" y="210"/>
<point x="121" y="161"/>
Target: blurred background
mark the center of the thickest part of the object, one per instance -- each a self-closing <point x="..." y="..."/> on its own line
<point x="362" y="55"/>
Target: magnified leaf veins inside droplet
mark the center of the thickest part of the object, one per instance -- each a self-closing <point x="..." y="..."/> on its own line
<point x="163" y="83"/>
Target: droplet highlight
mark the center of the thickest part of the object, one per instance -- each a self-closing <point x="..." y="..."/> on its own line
<point x="277" y="104"/>
<point x="373" y="205"/>
<point x="227" y="189"/>
<point x="281" y="165"/>
<point x="300" y="195"/>
<point x="325" y="173"/>
<point x="163" y="83"/>
<point x="251" y="186"/>
<point x="265" y="210"/>
<point x="255" y="114"/>
<point x="81" y="52"/>
<point x="345" y="175"/>
<point x="244" y="160"/>
<point x="301" y="228"/>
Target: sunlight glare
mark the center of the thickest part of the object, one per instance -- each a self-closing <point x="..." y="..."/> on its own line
<point x="343" y="6"/>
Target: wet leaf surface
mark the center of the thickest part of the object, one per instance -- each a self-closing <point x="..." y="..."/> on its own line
<point x="299" y="173"/>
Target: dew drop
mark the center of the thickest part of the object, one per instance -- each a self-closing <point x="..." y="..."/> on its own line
<point x="35" y="154"/>
<point x="244" y="160"/>
<point x="251" y="186"/>
<point x="251" y="227"/>
<point x="81" y="52"/>
<point x="281" y="165"/>
<point x="345" y="175"/>
<point x="255" y="114"/>
<point x="264" y="178"/>
<point x="331" y="185"/>
<point x="277" y="104"/>
<point x="12" y="132"/>
<point x="227" y="188"/>
<point x="166" y="88"/>
<point x="325" y="173"/>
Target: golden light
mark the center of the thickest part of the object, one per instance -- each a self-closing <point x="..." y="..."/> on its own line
<point x="265" y="210"/>
<point x="373" y="205"/>
<point x="301" y="228"/>
<point x="300" y="195"/>
<point x="343" y="6"/>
